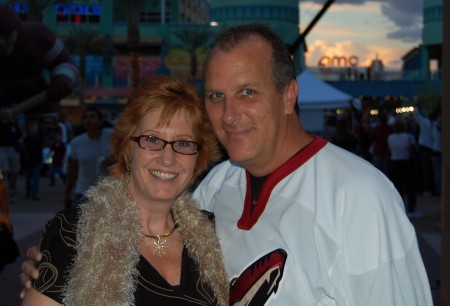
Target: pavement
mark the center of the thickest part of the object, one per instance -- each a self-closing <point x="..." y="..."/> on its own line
<point x="28" y="218"/>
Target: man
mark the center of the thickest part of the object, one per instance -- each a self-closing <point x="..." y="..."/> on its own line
<point x="425" y="142"/>
<point x="9" y="155"/>
<point x="32" y="157"/>
<point x="300" y="221"/>
<point x="90" y="155"/>
<point x="379" y="147"/>
<point x="27" y="50"/>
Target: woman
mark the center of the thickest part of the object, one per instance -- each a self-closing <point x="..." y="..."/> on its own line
<point x="402" y="146"/>
<point x="139" y="239"/>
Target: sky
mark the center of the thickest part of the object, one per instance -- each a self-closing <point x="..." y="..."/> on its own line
<point x="367" y="29"/>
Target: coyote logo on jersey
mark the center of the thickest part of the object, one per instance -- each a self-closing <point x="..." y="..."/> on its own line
<point x="259" y="280"/>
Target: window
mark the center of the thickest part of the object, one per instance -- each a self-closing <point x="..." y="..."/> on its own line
<point x="78" y="13"/>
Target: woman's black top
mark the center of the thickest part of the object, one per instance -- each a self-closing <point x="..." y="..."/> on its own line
<point x="57" y="246"/>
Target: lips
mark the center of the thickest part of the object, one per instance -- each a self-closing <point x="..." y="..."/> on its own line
<point x="163" y="175"/>
<point x="239" y="133"/>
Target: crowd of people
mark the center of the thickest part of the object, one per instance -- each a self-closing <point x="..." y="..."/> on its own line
<point x="28" y="52"/>
<point x="406" y="148"/>
<point x="286" y="219"/>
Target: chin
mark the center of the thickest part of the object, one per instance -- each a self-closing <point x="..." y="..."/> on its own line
<point x="238" y="157"/>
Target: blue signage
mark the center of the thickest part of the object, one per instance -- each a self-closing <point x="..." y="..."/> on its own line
<point x="78" y="9"/>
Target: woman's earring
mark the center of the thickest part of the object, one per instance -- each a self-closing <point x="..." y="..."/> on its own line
<point x="128" y="169"/>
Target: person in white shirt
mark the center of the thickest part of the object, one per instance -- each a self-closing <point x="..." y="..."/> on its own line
<point x="402" y="146"/>
<point x="90" y="156"/>
<point x="300" y="221"/>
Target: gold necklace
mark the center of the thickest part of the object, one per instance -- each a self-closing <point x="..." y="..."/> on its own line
<point x="159" y="242"/>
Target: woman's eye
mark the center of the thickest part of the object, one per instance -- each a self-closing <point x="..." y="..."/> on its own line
<point x="152" y="140"/>
<point x="183" y="143"/>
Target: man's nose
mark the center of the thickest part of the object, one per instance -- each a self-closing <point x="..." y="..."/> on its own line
<point x="231" y="114"/>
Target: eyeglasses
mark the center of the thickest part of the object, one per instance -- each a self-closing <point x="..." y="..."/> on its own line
<point x="153" y="143"/>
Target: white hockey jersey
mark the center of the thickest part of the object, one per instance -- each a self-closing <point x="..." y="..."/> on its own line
<point x="328" y="229"/>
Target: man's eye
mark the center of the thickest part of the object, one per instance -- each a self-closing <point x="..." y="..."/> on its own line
<point x="215" y="96"/>
<point x="248" y="92"/>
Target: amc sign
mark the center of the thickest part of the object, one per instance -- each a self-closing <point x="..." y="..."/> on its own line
<point x="338" y="61"/>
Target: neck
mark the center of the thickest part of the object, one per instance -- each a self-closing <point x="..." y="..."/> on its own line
<point x="94" y="134"/>
<point x="295" y="139"/>
<point x="157" y="224"/>
<point x="156" y="218"/>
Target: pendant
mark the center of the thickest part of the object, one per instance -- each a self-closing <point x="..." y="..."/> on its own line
<point x="159" y="244"/>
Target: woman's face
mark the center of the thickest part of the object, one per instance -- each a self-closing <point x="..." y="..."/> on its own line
<point x="160" y="176"/>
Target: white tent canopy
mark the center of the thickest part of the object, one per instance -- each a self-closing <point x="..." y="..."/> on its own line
<point x="317" y="94"/>
<point x="314" y="98"/>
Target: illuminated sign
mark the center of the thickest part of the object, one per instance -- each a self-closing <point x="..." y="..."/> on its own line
<point x="77" y="9"/>
<point x="338" y="61"/>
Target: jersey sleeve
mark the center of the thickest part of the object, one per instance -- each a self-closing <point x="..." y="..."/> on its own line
<point x="58" y="249"/>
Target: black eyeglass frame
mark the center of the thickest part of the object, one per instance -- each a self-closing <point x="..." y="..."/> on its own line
<point x="137" y="139"/>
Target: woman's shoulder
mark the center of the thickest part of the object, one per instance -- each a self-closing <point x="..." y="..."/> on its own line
<point x="58" y="251"/>
<point x="61" y="229"/>
<point x="70" y="214"/>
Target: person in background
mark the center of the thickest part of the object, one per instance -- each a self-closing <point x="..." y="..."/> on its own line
<point x="9" y="154"/>
<point x="330" y="127"/>
<point x="343" y="137"/>
<point x="436" y="154"/>
<point x="90" y="156"/>
<point x="4" y="216"/>
<point x="32" y="159"/>
<point x="58" y="151"/>
<point x="425" y="142"/>
<point x="64" y="128"/>
<point x="378" y="136"/>
<point x="27" y="50"/>
<point x="402" y="147"/>
<point x="300" y="221"/>
<point x="139" y="239"/>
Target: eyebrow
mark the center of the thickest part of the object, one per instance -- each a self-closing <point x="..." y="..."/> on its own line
<point x="158" y="134"/>
<point x="246" y="85"/>
<point x="239" y="87"/>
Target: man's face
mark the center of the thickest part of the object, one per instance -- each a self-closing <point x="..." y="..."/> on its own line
<point x="7" y="42"/>
<point x="248" y="115"/>
<point x="91" y="121"/>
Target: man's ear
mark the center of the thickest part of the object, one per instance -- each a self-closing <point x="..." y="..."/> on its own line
<point x="290" y="95"/>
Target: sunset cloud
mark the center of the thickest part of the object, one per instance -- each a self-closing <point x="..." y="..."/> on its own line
<point x="383" y="29"/>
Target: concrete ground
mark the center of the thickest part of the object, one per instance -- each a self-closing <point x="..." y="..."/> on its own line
<point x="29" y="217"/>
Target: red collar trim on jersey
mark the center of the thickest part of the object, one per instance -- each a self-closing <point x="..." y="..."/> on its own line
<point x="248" y="218"/>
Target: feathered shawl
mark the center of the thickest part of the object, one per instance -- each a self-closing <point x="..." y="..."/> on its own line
<point x="104" y="271"/>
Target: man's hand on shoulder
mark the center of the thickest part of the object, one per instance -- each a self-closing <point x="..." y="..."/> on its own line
<point x="28" y="269"/>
